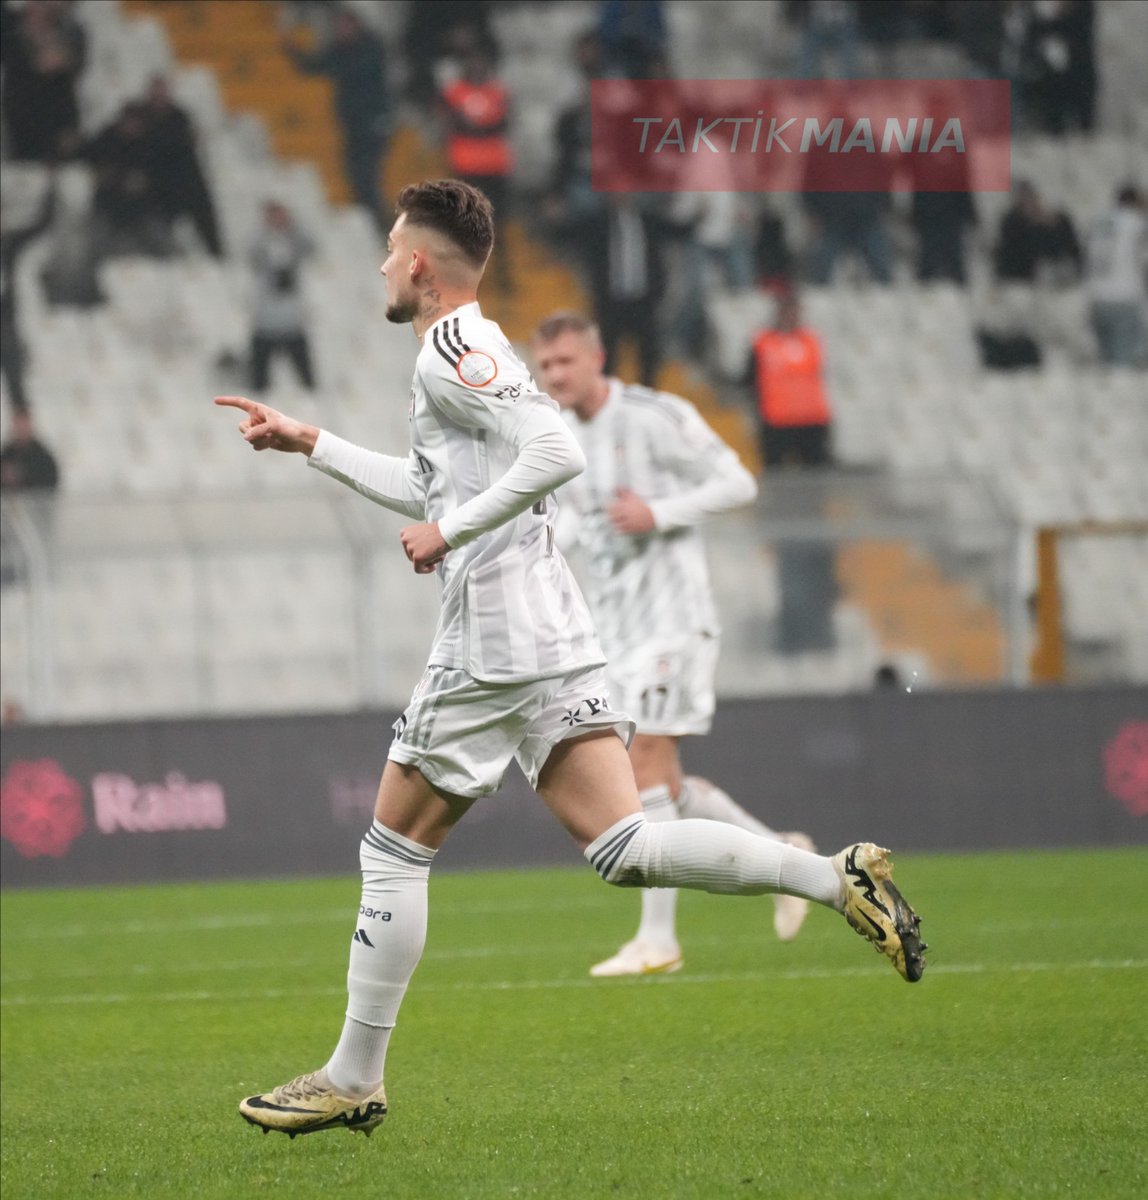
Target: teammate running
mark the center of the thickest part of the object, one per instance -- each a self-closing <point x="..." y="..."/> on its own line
<point x="655" y="471"/>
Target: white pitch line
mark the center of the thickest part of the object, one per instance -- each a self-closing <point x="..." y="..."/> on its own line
<point x="267" y="920"/>
<point x="514" y="985"/>
<point x="141" y="970"/>
<point x="262" y="920"/>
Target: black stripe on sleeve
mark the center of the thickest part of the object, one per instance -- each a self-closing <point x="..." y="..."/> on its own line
<point x="458" y="337"/>
<point x="453" y="344"/>
<point x="450" y="358"/>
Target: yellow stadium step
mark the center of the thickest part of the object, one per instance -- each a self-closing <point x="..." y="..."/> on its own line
<point x="240" y="41"/>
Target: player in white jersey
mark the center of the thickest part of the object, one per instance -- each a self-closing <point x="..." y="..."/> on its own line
<point x="655" y="471"/>
<point x="515" y="670"/>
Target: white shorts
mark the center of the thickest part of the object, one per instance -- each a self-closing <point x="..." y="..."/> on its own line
<point x="668" y="686"/>
<point x="462" y="733"/>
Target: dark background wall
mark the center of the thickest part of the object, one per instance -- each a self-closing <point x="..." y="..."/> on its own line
<point x="211" y="799"/>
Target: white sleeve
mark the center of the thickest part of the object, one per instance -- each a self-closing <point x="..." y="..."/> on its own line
<point x="713" y="474"/>
<point x="547" y="456"/>
<point x="395" y="483"/>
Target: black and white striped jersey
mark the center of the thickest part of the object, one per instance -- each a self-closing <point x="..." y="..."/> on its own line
<point x="486" y="449"/>
<point x="651" y="587"/>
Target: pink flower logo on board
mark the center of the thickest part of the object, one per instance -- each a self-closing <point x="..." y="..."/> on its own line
<point x="1126" y="767"/>
<point x="41" y="809"/>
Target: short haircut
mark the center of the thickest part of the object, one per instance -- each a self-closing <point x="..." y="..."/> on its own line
<point x="559" y="323"/>
<point x="460" y="212"/>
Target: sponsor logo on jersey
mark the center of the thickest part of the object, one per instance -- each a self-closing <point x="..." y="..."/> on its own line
<point x="477" y="369"/>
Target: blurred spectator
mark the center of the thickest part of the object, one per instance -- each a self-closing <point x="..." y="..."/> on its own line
<point x="828" y="28"/>
<point x="979" y="29"/>
<point x="128" y="212"/>
<point x="627" y="277"/>
<point x="433" y="32"/>
<point x="942" y="210"/>
<point x="280" y="320"/>
<point x="13" y="242"/>
<point x="572" y="200"/>
<point x="716" y="247"/>
<point x="889" y="22"/>
<point x="1058" y="65"/>
<point x="1034" y="240"/>
<point x="475" y="110"/>
<point x="795" y="421"/>
<point x="1116" y="274"/>
<point x="27" y="469"/>
<point x="942" y="207"/>
<point x="43" y="48"/>
<point x="772" y="257"/>
<point x="940" y="220"/>
<point x="632" y="34"/>
<point x="791" y="401"/>
<point x="181" y="187"/>
<point x="26" y="464"/>
<point x="355" y="61"/>
<point x="845" y="223"/>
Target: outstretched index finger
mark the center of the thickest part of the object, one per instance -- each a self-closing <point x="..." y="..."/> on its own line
<point x="248" y="406"/>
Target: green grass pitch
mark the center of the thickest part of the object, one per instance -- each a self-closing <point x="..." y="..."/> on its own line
<point x="134" y="1019"/>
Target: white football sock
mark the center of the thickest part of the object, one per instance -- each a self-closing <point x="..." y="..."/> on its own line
<point x="812" y="876"/>
<point x="709" y="856"/>
<point x="700" y="798"/>
<point x="659" y="905"/>
<point x="385" y="950"/>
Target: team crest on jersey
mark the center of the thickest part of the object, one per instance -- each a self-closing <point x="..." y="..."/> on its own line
<point x="476" y="368"/>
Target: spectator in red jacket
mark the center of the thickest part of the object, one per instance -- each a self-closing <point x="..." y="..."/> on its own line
<point x="476" y="114"/>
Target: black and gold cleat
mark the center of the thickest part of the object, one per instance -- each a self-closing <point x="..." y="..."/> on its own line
<point x="876" y="909"/>
<point x="309" y="1104"/>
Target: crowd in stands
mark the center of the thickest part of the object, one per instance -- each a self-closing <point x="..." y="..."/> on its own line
<point x="650" y="265"/>
<point x="1045" y="48"/>
<point x="647" y="262"/>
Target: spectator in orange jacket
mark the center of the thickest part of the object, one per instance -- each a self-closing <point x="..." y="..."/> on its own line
<point x="791" y="399"/>
<point x="476" y="113"/>
<point x="786" y="368"/>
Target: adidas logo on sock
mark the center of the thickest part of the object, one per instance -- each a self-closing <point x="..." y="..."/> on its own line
<point x="361" y="936"/>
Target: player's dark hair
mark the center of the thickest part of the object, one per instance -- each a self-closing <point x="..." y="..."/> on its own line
<point x="455" y="209"/>
<point x="559" y="323"/>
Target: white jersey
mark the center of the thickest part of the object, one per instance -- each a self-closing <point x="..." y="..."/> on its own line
<point x="1116" y="254"/>
<point x="651" y="588"/>
<point x="484" y="442"/>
